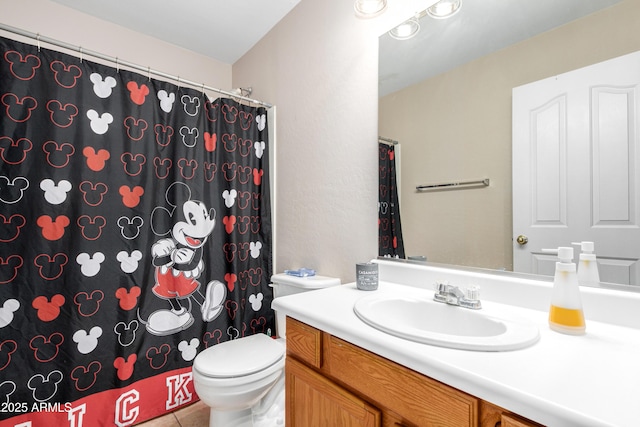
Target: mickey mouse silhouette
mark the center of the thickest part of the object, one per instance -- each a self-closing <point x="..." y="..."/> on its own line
<point x="178" y="263"/>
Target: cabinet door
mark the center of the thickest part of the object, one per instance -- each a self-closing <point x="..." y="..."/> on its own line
<point x="314" y="401"/>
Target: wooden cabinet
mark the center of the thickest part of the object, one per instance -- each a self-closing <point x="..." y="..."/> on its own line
<point x="418" y="399"/>
<point x="314" y="401"/>
<point x="330" y="382"/>
<point x="304" y="342"/>
<point x="494" y="416"/>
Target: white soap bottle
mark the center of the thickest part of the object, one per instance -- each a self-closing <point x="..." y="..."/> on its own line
<point x="565" y="314"/>
<point x="587" y="266"/>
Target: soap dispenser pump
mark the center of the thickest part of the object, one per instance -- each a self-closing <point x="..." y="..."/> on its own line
<point x="587" y="266"/>
<point x="565" y="314"/>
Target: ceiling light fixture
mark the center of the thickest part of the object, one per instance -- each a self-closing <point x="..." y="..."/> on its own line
<point x="369" y="8"/>
<point x="406" y="30"/>
<point x="444" y="9"/>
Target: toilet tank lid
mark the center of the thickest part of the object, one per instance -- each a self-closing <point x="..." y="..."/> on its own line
<point x="308" y="282"/>
<point x="240" y="357"/>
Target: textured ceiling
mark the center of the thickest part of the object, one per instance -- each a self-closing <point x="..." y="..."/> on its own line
<point x="220" y="29"/>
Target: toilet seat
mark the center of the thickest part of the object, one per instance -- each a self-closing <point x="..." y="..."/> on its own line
<point x="240" y="357"/>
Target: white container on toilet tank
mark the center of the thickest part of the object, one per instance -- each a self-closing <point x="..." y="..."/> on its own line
<point x="284" y="284"/>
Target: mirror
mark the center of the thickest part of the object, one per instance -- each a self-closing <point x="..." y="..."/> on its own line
<point x="451" y="113"/>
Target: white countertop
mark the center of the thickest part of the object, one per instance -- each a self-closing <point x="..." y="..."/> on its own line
<point x="562" y="380"/>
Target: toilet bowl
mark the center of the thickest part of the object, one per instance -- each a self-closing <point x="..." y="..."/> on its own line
<point x="232" y="377"/>
<point x="243" y="379"/>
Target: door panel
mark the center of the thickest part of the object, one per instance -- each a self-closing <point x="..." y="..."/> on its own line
<point x="575" y="168"/>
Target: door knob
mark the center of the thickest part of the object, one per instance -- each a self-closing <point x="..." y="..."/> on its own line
<point x="522" y="240"/>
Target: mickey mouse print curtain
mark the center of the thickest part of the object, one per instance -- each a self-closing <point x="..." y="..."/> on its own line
<point x="135" y="231"/>
<point x="390" y="242"/>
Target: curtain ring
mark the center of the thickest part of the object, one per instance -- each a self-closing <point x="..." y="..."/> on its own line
<point x="38" y="40"/>
<point x="178" y="82"/>
<point x="117" y="66"/>
<point x="203" y="88"/>
<point x="149" y="72"/>
<point x="80" y="50"/>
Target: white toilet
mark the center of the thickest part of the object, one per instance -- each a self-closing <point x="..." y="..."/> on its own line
<point x="243" y="379"/>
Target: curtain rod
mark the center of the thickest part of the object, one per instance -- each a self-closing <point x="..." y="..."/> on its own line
<point x="117" y="61"/>
<point x="388" y="140"/>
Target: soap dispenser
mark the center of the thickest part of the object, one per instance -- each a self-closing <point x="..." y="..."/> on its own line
<point x="587" y="266"/>
<point x="565" y="314"/>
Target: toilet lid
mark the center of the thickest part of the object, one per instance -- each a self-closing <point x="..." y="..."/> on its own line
<point x="239" y="357"/>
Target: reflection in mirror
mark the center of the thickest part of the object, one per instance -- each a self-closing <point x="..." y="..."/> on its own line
<point x="514" y="274"/>
<point x="452" y="113"/>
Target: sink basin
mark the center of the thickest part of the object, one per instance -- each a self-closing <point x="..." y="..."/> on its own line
<point x="420" y="319"/>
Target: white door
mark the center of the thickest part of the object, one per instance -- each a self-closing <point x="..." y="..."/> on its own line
<point x="576" y="155"/>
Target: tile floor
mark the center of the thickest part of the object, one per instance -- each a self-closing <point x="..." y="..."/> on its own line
<point x="195" y="415"/>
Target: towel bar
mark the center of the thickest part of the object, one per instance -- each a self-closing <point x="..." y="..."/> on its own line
<point x="483" y="182"/>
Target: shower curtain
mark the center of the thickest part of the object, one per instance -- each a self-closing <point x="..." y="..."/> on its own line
<point x="135" y="232"/>
<point x="390" y="243"/>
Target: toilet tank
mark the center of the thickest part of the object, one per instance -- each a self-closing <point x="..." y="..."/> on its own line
<point x="285" y="284"/>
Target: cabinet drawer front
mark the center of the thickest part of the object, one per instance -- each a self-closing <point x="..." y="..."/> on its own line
<point x="514" y="421"/>
<point x="304" y="342"/>
<point x="420" y="400"/>
<point x="495" y="416"/>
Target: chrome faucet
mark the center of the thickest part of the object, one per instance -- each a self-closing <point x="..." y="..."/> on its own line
<point x="453" y="295"/>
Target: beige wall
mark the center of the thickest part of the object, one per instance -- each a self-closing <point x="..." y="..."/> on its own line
<point x="70" y="26"/>
<point x="457" y="126"/>
<point x="319" y="66"/>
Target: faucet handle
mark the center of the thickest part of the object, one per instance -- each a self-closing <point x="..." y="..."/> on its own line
<point x="441" y="287"/>
<point x="473" y="293"/>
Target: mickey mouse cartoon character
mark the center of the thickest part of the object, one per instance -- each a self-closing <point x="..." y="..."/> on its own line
<point x="178" y="264"/>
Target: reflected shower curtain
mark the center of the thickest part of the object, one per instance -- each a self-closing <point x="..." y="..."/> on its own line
<point x="135" y="232"/>
<point x="390" y="242"/>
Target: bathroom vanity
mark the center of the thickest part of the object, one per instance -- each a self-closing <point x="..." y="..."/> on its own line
<point x="323" y="388"/>
<point x="342" y="371"/>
